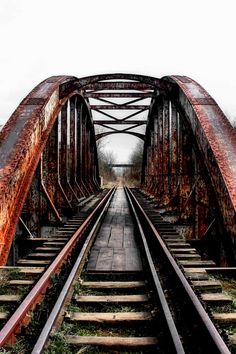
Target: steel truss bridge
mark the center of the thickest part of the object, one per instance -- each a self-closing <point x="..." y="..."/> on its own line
<point x="48" y="156"/>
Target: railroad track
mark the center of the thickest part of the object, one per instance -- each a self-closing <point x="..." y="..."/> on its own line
<point x="133" y="300"/>
<point x="25" y="285"/>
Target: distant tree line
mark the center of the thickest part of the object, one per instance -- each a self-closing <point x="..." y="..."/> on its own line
<point x="105" y="159"/>
<point x="132" y="175"/>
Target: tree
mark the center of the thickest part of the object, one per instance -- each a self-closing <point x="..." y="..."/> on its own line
<point x="132" y="175"/>
<point x="105" y="159"/>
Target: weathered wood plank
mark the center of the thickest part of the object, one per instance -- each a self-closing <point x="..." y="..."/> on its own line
<point x="216" y="297"/>
<point x="187" y="256"/>
<point x="9" y="298"/>
<point x="3" y="315"/>
<point x="103" y="236"/>
<point x="125" y="342"/>
<point x="32" y="270"/>
<point x="93" y="257"/>
<point x="20" y="282"/>
<point x="178" y="244"/>
<point x="129" y="240"/>
<point x="47" y="249"/>
<point x="52" y="243"/>
<point x="31" y="262"/>
<point x="172" y="239"/>
<point x="111" y="317"/>
<point x="195" y="264"/>
<point x="113" y="284"/>
<point x="41" y="255"/>
<point x="183" y="250"/>
<point x="206" y="285"/>
<point x="105" y="258"/>
<point x="119" y="258"/>
<point x="225" y="317"/>
<point x="232" y="338"/>
<point x="133" y="259"/>
<point x="117" y="236"/>
<point x="112" y="298"/>
<point x="195" y="270"/>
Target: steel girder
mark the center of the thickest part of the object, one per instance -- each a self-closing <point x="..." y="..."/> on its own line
<point x="113" y="96"/>
<point x="189" y="165"/>
<point x="48" y="158"/>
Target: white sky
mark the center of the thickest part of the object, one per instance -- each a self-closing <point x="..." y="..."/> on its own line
<point x="42" y="38"/>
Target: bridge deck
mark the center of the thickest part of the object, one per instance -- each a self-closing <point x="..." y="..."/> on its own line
<point x="115" y="247"/>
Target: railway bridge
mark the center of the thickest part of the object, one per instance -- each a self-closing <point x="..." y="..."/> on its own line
<point x="49" y="173"/>
<point x="49" y="157"/>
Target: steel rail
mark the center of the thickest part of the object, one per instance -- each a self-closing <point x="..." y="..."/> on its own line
<point x="44" y="335"/>
<point x="220" y="345"/>
<point x="165" y="307"/>
<point x="18" y="318"/>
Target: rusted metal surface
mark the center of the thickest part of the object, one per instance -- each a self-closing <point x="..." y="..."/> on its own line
<point x="219" y="345"/>
<point x="22" y="142"/>
<point x="194" y="174"/>
<point x="102" y="135"/>
<point x="115" y="106"/>
<point x="104" y="88"/>
<point x="19" y="317"/>
<point x="187" y="166"/>
<point x="119" y="94"/>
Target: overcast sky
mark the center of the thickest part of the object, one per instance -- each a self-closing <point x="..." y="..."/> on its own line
<point x="81" y="38"/>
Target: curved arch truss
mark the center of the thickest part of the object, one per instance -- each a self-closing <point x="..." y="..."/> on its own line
<point x="48" y="162"/>
<point x="189" y="165"/>
<point x="49" y="157"/>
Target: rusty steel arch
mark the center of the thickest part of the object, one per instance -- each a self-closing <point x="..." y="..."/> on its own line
<point x="40" y="156"/>
<point x="186" y="165"/>
<point x="189" y="166"/>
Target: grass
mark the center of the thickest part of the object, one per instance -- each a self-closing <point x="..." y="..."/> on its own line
<point x="224" y="308"/>
<point x="9" y="274"/>
<point x="110" y="291"/>
<point x="20" y="347"/>
<point x="229" y="288"/>
<point x="101" y="329"/>
<point x="58" y="345"/>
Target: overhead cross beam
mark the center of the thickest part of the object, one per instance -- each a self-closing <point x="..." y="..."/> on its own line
<point x="142" y="95"/>
<point x="118" y="85"/>
<point x="122" y="165"/>
<point x="137" y="122"/>
<point x="102" y="135"/>
<point x="129" y="92"/>
<point x="117" y="106"/>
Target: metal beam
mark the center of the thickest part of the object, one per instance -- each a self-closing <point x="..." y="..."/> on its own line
<point x="139" y="122"/>
<point x="129" y="102"/>
<point x="120" y="85"/>
<point x="119" y="94"/>
<point x="102" y="135"/>
<point x="117" y="106"/>
<point x="122" y="165"/>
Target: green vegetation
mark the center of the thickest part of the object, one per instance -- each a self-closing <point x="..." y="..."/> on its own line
<point x="20" y="347"/>
<point x="58" y="345"/>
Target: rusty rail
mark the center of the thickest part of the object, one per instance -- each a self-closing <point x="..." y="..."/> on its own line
<point x="220" y="345"/>
<point x="175" y="337"/>
<point x="18" y="319"/>
<point x="49" y="325"/>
